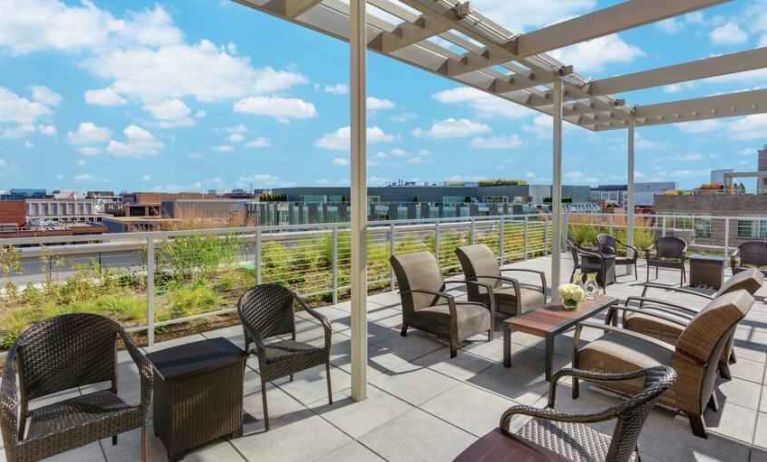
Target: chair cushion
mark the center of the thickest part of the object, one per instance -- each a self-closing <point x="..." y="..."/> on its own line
<point x="472" y="318"/>
<point x="101" y="409"/>
<point x="287" y="349"/>
<point x="655" y="327"/>
<point x="574" y="441"/>
<point x="614" y="352"/>
<point x="530" y="299"/>
<point x="750" y="280"/>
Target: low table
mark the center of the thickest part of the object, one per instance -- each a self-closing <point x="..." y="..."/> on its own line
<point x="550" y="321"/>
<point x="197" y="394"/>
<point x="706" y="271"/>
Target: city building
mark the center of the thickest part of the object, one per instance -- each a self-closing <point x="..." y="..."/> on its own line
<point x="17" y="194"/>
<point x="717" y="176"/>
<point x="47" y="212"/>
<point x="13" y="215"/>
<point x="644" y="193"/>
<point x="760" y="175"/>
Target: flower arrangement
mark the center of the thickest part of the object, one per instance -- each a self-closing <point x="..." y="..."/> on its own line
<point x="571" y="294"/>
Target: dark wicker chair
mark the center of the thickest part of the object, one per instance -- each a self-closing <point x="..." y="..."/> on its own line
<point x="267" y="312"/>
<point x="426" y="305"/>
<point x="62" y="353"/>
<point x="569" y="436"/>
<point x="593" y="262"/>
<point x="609" y="245"/>
<point x="480" y="264"/>
<point x="751" y="254"/>
<point x="667" y="252"/>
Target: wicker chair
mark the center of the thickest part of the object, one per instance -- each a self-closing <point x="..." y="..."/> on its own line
<point x="569" y="436"/>
<point x="267" y="312"/>
<point x="751" y="254"/>
<point x="609" y="245"/>
<point x="695" y="355"/>
<point x="667" y="252"/>
<point x="62" y="353"/>
<point x="593" y="262"/>
<point x="479" y="264"/>
<point x="750" y="280"/>
<point x="426" y="305"/>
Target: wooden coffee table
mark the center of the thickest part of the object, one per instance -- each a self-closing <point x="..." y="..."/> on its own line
<point x="550" y="321"/>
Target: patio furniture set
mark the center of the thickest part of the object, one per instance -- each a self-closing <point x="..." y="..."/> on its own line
<point x="664" y="353"/>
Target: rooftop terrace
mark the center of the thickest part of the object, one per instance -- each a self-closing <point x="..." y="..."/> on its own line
<point x="422" y="405"/>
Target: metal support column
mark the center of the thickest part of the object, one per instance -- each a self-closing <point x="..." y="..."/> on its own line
<point x="150" y="289"/>
<point x="501" y="244"/>
<point x="556" y="192"/>
<point x="359" y="347"/>
<point x="334" y="262"/>
<point x="630" y="188"/>
<point x="258" y="257"/>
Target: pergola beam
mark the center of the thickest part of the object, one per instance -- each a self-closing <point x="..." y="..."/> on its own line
<point x="685" y="72"/>
<point x="620" y="17"/>
<point x="290" y="8"/>
<point x="408" y="33"/>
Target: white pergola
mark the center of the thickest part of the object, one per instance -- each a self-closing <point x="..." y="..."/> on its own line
<point x="448" y="38"/>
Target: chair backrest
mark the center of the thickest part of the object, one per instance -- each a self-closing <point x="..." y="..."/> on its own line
<point x="670" y="247"/>
<point x="633" y="412"/>
<point x="66" y="351"/>
<point x="573" y="251"/>
<point x="606" y="243"/>
<point x="478" y="260"/>
<point x="750" y="280"/>
<point x="417" y="271"/>
<point x="753" y="253"/>
<point x="268" y="310"/>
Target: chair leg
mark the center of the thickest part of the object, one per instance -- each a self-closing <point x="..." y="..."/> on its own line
<point x="732" y="359"/>
<point x="114" y="440"/>
<point x="330" y="388"/>
<point x="636" y="273"/>
<point x="698" y="426"/>
<point x="576" y="388"/>
<point x="724" y="370"/>
<point x="648" y="273"/>
<point x="572" y="275"/>
<point x="403" y="332"/>
<point x="266" y="409"/>
<point x="290" y="379"/>
<point x="490" y="335"/>
<point x="144" y="446"/>
<point x="713" y="402"/>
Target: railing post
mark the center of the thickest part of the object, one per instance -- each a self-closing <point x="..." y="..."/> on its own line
<point x="612" y="224"/>
<point x="436" y="239"/>
<point x="258" y="257"/>
<point x="726" y="238"/>
<point x="525" y="239"/>
<point x="391" y="254"/>
<point x="334" y="263"/>
<point x="663" y="226"/>
<point x="150" y="289"/>
<point x="501" y="244"/>
<point x="471" y="231"/>
<point x="545" y="235"/>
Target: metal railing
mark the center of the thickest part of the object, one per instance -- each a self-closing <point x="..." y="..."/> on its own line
<point x="152" y="280"/>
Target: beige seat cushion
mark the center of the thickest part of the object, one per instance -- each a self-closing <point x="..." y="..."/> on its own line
<point x="750" y="280"/>
<point x="531" y="299"/>
<point x="472" y="318"/>
<point x="655" y="327"/>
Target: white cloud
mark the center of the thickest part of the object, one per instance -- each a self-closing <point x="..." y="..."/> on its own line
<point x="340" y="161"/>
<point x="669" y="26"/>
<point x="728" y="34"/>
<point x="485" y="106"/>
<point x="522" y="15"/>
<point x="47" y="130"/>
<point x="282" y="109"/>
<point x="258" y="143"/>
<point x="146" y="177"/>
<point x="104" y="97"/>
<point x="497" y="142"/>
<point x="594" y="55"/>
<point x="677" y="87"/>
<point x="379" y="104"/>
<point x="581" y="178"/>
<point x="452" y="128"/>
<point x="643" y="144"/>
<point x="90" y="151"/>
<point x="170" y="113"/>
<point x="337" y="89"/>
<point x="700" y="126"/>
<point x="340" y="139"/>
<point x="236" y="138"/>
<point x="259" y="180"/>
<point x="17" y="110"/>
<point x="88" y="133"/>
<point x="223" y="148"/>
<point x="752" y="127"/>
<point x="690" y="157"/>
<point x="405" y="117"/>
<point x="45" y="95"/>
<point x="138" y="143"/>
<point x="88" y="178"/>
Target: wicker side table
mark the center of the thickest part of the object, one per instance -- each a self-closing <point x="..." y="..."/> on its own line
<point x="706" y="271"/>
<point x="197" y="394"/>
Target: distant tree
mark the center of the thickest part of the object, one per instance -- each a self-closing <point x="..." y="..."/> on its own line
<point x="467" y="199"/>
<point x="503" y="182"/>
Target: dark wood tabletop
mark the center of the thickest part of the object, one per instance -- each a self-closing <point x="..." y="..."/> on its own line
<point x="497" y="447"/>
<point x="555" y="317"/>
<point x="195" y="358"/>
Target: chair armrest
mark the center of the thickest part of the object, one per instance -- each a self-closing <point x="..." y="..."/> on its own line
<point x="321" y="318"/>
<point x="735" y="259"/>
<point x="450" y="299"/>
<point x="616" y="330"/>
<point x="589" y="375"/>
<point x="145" y="373"/>
<point x="541" y="274"/>
<point x="663" y="315"/>
<point x="9" y="403"/>
<point x="487" y="287"/>
<point x="651" y="285"/>
<point x="643" y="300"/>
<point x="629" y="246"/>
<point x="551" y="414"/>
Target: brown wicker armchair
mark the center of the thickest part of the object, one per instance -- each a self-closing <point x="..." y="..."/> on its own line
<point x="570" y="437"/>
<point x="667" y="252"/>
<point x="62" y="353"/>
<point x="750" y="280"/>
<point x="593" y="262"/>
<point x="426" y="305"/>
<point x="479" y="264"/>
<point x="751" y="254"/>
<point x="267" y="312"/>
<point x="694" y="357"/>
<point x="609" y="245"/>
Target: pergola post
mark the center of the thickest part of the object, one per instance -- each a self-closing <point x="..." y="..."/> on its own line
<point x="359" y="209"/>
<point x="556" y="192"/>
<point x="630" y="188"/>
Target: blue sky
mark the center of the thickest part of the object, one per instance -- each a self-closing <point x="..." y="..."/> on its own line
<point x="207" y="94"/>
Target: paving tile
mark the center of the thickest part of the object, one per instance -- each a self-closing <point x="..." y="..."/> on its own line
<point x="746" y="369"/>
<point x="463" y="367"/>
<point x="311" y="385"/>
<point x="351" y="452"/>
<point x="416" y="386"/>
<point x="89" y="453"/>
<point x="732" y="421"/>
<point x="358" y="418"/>
<point x="469" y="408"/>
<point x="418" y="437"/>
<point x="740" y="392"/>
<point x="760" y="436"/>
<point x="128" y="447"/>
<point x="283" y="408"/>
